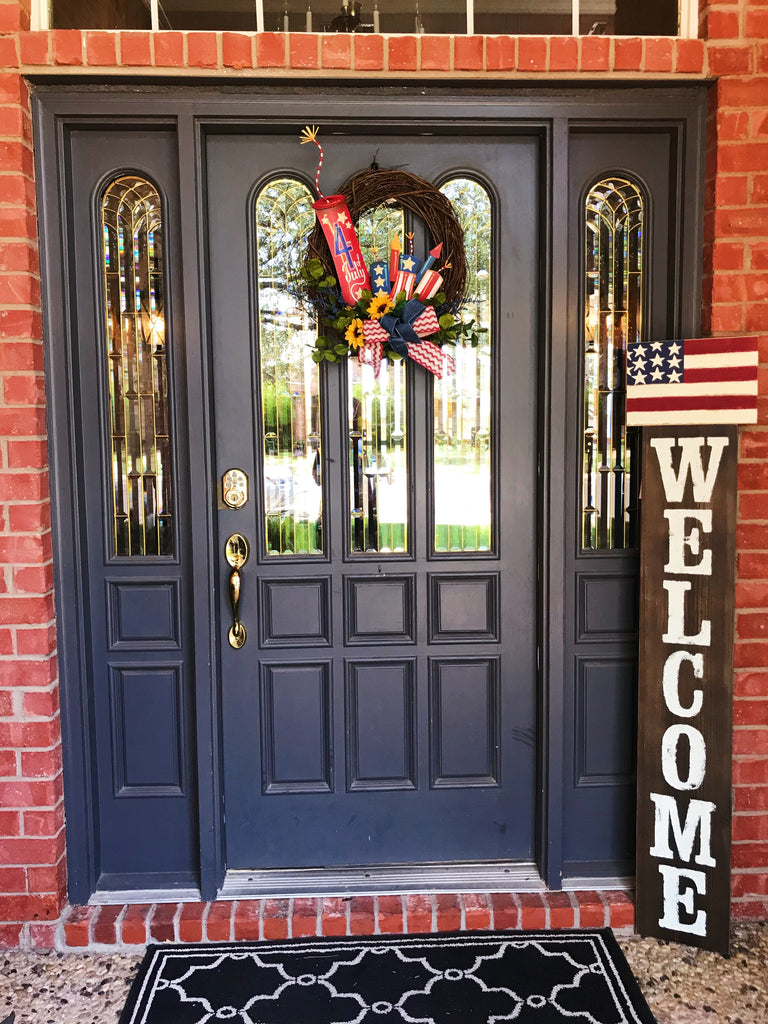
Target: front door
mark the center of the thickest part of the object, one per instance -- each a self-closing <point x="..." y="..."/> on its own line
<point x="383" y="707"/>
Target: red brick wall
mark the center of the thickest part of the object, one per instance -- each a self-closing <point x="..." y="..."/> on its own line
<point x="32" y="869"/>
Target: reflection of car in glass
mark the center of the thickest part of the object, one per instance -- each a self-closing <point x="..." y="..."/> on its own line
<point x="278" y="489"/>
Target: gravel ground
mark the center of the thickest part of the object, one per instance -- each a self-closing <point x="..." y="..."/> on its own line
<point x="682" y="985"/>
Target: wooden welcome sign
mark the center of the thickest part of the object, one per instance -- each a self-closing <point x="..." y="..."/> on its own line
<point x="687" y="542"/>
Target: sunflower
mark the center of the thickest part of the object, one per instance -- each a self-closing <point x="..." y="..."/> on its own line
<point x="354" y="334"/>
<point x="380" y="305"/>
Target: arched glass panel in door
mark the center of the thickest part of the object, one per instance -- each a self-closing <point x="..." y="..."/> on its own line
<point x="463" y="400"/>
<point x="137" y="345"/>
<point x="290" y="380"/>
<point x="377" y="423"/>
<point x="613" y="302"/>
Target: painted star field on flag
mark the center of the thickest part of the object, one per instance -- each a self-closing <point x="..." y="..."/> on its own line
<point x="691" y="381"/>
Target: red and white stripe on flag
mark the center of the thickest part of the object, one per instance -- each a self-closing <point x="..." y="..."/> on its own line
<point x="698" y="380"/>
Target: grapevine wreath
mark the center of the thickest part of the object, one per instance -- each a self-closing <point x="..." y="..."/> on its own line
<point x="402" y="308"/>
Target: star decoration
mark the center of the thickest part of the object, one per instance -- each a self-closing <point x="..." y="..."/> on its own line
<point x="408" y="263"/>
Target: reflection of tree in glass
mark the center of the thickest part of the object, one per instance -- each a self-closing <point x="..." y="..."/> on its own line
<point x="473" y="211"/>
<point x="376" y="229"/>
<point x="290" y="387"/>
<point x="462" y="401"/>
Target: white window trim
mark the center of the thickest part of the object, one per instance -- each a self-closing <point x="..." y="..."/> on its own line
<point x="688" y="16"/>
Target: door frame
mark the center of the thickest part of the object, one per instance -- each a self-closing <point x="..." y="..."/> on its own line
<point x="270" y="107"/>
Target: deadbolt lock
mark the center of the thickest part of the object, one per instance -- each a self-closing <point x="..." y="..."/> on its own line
<point x="234" y="488"/>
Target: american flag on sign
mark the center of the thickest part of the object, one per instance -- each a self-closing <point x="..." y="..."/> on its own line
<point x="698" y="380"/>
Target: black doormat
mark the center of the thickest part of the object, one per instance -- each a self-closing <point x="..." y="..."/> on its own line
<point x="471" y="977"/>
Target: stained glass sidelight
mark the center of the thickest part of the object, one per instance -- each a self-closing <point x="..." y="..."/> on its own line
<point x="290" y="380"/>
<point x="463" y="400"/>
<point x="377" y="424"/>
<point x="613" y="302"/>
<point x="137" y="342"/>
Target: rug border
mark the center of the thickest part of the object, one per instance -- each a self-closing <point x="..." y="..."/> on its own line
<point x="618" y="959"/>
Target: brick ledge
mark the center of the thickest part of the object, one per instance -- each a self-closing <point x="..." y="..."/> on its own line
<point x="128" y="927"/>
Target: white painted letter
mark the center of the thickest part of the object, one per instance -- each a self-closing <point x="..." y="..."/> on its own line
<point x="697" y="757"/>
<point x="677" y="589"/>
<point x="677" y="897"/>
<point x="671" y="683"/>
<point x="678" y="541"/>
<point x="690" y="462"/>
<point x="667" y="827"/>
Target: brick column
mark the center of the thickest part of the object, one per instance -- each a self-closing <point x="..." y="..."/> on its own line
<point x="736" y="300"/>
<point x="32" y="870"/>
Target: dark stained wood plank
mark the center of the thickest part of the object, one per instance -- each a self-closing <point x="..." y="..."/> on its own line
<point x="687" y="546"/>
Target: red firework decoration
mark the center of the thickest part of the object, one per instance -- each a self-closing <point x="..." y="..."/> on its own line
<point x="339" y="231"/>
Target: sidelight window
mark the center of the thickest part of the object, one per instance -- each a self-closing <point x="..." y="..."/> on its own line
<point x="462" y="438"/>
<point x="613" y="304"/>
<point x="289" y="379"/>
<point x="137" y="342"/>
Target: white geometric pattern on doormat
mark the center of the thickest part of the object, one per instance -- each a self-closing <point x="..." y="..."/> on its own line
<point x="475" y="978"/>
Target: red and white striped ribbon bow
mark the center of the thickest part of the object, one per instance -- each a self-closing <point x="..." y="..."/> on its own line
<point x="425" y="353"/>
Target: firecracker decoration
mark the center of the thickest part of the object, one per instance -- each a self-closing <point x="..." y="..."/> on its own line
<point x="408" y="308"/>
<point x="333" y="216"/>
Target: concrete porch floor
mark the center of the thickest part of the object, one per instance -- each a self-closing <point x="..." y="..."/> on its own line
<point x="682" y="985"/>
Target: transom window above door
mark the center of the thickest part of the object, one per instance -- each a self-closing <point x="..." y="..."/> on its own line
<point x="452" y="17"/>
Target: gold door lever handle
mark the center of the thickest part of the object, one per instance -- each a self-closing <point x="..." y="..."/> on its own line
<point x="236" y="553"/>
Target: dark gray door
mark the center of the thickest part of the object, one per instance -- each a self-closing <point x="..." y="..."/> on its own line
<point x="383" y="707"/>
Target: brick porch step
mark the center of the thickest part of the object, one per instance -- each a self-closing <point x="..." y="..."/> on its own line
<point x="128" y="927"/>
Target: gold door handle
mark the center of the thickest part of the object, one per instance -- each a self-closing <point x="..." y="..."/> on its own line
<point x="236" y="553"/>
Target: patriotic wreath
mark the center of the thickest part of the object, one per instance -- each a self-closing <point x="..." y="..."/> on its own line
<point x="401" y="307"/>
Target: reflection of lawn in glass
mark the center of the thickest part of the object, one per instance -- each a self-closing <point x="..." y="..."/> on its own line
<point x="462" y="500"/>
<point x="391" y="501"/>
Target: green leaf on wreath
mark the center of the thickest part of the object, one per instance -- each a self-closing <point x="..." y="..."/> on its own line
<point x="438" y="299"/>
<point x="321" y="343"/>
<point x="327" y="282"/>
<point x="315" y="268"/>
<point x="330" y="357"/>
<point x="446" y="321"/>
<point x="317" y="357"/>
<point x="341" y="350"/>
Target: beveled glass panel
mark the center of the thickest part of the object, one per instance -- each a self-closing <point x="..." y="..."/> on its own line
<point x="377" y="422"/>
<point x="463" y="400"/>
<point x="136" y="338"/>
<point x="613" y="296"/>
<point x="290" y="380"/>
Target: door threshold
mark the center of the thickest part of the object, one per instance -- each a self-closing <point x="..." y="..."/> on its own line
<point x="499" y="876"/>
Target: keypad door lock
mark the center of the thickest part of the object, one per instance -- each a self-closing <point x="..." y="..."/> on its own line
<point x="234" y="488"/>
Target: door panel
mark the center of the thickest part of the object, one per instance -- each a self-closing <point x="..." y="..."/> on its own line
<point x="382" y="709"/>
<point x="137" y="568"/>
<point x="602" y="598"/>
